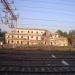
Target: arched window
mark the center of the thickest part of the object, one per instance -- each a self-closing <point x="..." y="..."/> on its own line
<point x="51" y="43"/>
<point x="21" y="31"/>
<point x="21" y="42"/>
<point x="8" y="36"/>
<point x="18" y="36"/>
<point x="8" y="41"/>
<point x="28" y="37"/>
<point x="31" y="31"/>
<point x="31" y="36"/>
<point x="45" y="42"/>
<point x="17" y="42"/>
<point x="18" y="31"/>
<point x="37" y="38"/>
<point x="21" y="36"/>
<point x="50" y="35"/>
<point x="28" y="31"/>
<point x="12" y="36"/>
<point x="12" y="41"/>
<point x="28" y="43"/>
<point x="37" y="32"/>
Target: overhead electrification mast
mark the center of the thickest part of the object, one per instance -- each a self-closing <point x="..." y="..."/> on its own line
<point x="9" y="18"/>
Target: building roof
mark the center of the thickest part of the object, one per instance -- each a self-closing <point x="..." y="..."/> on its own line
<point x="31" y="29"/>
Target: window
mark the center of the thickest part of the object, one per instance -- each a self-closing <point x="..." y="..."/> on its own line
<point x="17" y="42"/>
<point x="31" y="31"/>
<point x="55" y="35"/>
<point x="21" y="42"/>
<point x="55" y="43"/>
<point x="31" y="36"/>
<point x="41" y="32"/>
<point x="28" y="37"/>
<point x="51" y="43"/>
<point x="18" y="31"/>
<point x="21" y="31"/>
<point x="12" y="41"/>
<point x="50" y="35"/>
<point x="17" y="36"/>
<point x="21" y="36"/>
<point x="45" y="42"/>
<point x="37" y="32"/>
<point x="8" y="41"/>
<point x="28" y="31"/>
<point x="28" y="43"/>
<point x="8" y="36"/>
<point x="12" y="36"/>
<point x="37" y="38"/>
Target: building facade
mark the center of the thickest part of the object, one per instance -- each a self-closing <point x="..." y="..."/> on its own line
<point x="22" y="37"/>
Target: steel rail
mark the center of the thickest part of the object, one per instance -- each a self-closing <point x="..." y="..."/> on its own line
<point x="34" y="58"/>
<point x="13" y="65"/>
<point x="29" y="71"/>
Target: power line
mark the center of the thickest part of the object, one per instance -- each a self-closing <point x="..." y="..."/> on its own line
<point x="54" y="2"/>
<point x="47" y="2"/>
<point x="37" y="19"/>
<point x="53" y="20"/>
<point x="45" y="8"/>
<point x="53" y="12"/>
<point x="58" y="11"/>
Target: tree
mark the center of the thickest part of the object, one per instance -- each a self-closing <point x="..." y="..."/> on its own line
<point x="72" y="36"/>
<point x="59" y="32"/>
<point x="2" y="36"/>
<point x="65" y="34"/>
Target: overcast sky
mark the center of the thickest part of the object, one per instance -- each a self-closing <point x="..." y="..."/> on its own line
<point x="47" y="14"/>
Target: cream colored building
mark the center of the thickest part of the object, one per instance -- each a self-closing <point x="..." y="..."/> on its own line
<point x="22" y="37"/>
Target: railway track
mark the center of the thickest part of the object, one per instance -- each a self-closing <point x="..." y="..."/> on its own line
<point x="34" y="70"/>
<point x="23" y="57"/>
<point x="36" y="63"/>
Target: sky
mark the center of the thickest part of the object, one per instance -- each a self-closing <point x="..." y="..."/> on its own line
<point x="45" y="14"/>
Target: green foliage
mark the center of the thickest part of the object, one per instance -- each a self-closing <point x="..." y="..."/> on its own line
<point x="72" y="35"/>
<point x="2" y="36"/>
<point x="65" y="34"/>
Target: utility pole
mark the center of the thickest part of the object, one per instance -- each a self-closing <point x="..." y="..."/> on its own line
<point x="10" y="17"/>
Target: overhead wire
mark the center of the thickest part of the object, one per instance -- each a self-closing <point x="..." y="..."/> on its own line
<point x="43" y="11"/>
<point x="54" y="20"/>
<point x="58" y="11"/>
<point x="47" y="2"/>
<point x="70" y="10"/>
<point x="68" y="3"/>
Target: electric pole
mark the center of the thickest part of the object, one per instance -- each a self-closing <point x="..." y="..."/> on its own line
<point x="9" y="18"/>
